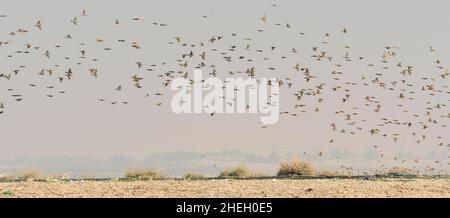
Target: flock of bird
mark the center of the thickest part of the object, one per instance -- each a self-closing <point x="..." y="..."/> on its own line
<point x="422" y="98"/>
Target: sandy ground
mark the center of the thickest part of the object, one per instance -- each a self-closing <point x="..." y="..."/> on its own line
<point x="231" y="188"/>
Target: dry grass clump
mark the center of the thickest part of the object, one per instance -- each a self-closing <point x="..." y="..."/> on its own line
<point x="296" y="167"/>
<point x="400" y="171"/>
<point x="144" y="174"/>
<point x="193" y="176"/>
<point x="240" y="172"/>
<point x="32" y="175"/>
<point x="328" y="173"/>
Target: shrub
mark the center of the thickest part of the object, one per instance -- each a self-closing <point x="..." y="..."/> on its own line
<point x="240" y="171"/>
<point x="30" y="175"/>
<point x="193" y="176"/>
<point x="6" y="178"/>
<point x="144" y="174"/>
<point x="296" y="167"/>
<point x="328" y="173"/>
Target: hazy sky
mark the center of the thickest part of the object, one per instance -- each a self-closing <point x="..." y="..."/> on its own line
<point x="75" y="123"/>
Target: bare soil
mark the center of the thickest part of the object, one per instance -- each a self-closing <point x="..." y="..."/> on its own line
<point x="231" y="188"/>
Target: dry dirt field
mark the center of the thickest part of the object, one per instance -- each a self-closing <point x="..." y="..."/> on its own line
<point x="231" y="188"/>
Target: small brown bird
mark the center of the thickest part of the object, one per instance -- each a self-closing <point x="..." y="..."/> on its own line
<point x="39" y="25"/>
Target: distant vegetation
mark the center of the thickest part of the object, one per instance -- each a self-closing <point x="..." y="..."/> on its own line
<point x="328" y="173"/>
<point x="33" y="175"/>
<point x="193" y="176"/>
<point x="28" y="175"/>
<point x="144" y="174"/>
<point x="401" y="171"/>
<point x="240" y="172"/>
<point x="6" y="178"/>
<point x="288" y="169"/>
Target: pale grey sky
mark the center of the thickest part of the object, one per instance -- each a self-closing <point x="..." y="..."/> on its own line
<point x="75" y="123"/>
